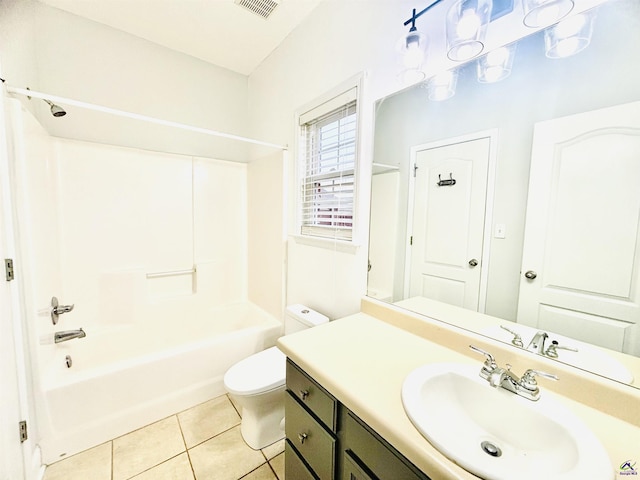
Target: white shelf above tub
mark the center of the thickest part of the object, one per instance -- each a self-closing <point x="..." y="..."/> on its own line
<point x="379" y="168"/>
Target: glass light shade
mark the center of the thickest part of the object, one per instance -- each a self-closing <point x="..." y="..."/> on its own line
<point x="442" y="86"/>
<point x="412" y="49"/>
<point x="569" y="36"/>
<point x="541" y="13"/>
<point x="496" y="65"/>
<point x="466" y="27"/>
<point x="410" y="76"/>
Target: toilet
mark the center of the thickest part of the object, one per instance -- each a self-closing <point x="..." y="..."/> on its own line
<point x="257" y="383"/>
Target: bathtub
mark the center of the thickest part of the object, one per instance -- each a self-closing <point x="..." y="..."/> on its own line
<point x="126" y="377"/>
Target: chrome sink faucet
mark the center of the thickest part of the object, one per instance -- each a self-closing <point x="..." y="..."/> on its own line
<point x="537" y="343"/>
<point x="498" y="377"/>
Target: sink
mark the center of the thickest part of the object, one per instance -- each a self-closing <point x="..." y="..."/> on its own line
<point x="588" y="357"/>
<point x="496" y="434"/>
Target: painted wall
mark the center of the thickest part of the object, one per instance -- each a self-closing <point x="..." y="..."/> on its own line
<point x="337" y="41"/>
<point x="62" y="54"/>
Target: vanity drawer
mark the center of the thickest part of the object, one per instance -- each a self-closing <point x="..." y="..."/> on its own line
<point x="312" y="395"/>
<point x="309" y="438"/>
<point x="294" y="466"/>
<point x="381" y="459"/>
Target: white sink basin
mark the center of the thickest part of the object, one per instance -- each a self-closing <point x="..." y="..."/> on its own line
<point x="496" y="434"/>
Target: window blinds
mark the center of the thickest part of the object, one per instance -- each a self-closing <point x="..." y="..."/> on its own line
<point x="328" y="177"/>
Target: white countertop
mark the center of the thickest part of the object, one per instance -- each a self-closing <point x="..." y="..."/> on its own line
<point x="363" y="362"/>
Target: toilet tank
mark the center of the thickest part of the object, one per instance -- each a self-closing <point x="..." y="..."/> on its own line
<point x="298" y="317"/>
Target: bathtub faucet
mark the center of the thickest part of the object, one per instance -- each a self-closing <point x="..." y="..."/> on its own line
<point x="68" y="335"/>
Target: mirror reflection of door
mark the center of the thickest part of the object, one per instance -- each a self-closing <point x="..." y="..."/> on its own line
<point x="446" y="239"/>
<point x="582" y="238"/>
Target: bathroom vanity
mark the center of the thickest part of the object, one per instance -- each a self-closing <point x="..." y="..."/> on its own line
<point x="326" y="438"/>
<point x="345" y="416"/>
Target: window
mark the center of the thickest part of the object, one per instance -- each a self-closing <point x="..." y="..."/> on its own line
<point x="328" y="167"/>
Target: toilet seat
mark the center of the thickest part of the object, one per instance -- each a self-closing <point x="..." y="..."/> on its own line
<point x="259" y="373"/>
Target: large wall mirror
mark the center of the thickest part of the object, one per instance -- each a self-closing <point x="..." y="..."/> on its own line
<point x="520" y="199"/>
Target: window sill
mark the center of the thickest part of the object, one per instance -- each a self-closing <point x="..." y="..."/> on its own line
<point x="327" y="243"/>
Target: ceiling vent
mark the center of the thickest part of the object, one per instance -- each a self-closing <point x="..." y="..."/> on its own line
<point x="263" y="8"/>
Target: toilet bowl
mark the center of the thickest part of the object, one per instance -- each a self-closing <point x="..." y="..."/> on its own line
<point x="257" y="383"/>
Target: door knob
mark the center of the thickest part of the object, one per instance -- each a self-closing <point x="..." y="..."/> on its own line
<point x="473" y="262"/>
<point x="531" y="274"/>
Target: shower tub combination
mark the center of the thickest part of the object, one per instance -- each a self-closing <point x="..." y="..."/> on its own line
<point x="158" y="372"/>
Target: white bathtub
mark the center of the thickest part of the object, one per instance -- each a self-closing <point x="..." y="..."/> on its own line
<point x="129" y="376"/>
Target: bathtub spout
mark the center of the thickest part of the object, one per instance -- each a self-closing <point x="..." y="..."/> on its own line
<point x="68" y="335"/>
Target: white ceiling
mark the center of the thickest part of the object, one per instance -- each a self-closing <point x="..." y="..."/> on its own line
<point x="216" y="31"/>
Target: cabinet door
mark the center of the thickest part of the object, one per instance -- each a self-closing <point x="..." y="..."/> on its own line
<point x="380" y="458"/>
<point x="351" y="469"/>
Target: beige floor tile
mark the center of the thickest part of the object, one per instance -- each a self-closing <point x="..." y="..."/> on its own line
<point x="177" y="468"/>
<point x="235" y="405"/>
<point x="225" y="457"/>
<point x="277" y="463"/>
<point x="142" y="449"/>
<point x="94" y="463"/>
<point x="262" y="473"/>
<point x="207" y="420"/>
<point x="273" y="449"/>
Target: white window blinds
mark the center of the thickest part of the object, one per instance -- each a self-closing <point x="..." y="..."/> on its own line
<point x="329" y="134"/>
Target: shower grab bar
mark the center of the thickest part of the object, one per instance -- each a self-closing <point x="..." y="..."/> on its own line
<point x="171" y="273"/>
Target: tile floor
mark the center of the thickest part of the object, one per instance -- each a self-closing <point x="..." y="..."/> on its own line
<point x="202" y="443"/>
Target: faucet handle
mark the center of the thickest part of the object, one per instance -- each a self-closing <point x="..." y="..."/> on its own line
<point x="528" y="379"/>
<point x="551" y="352"/>
<point x="490" y="361"/>
<point x="517" y="339"/>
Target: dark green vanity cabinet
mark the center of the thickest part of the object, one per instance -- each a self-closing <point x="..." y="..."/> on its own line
<point x="326" y="441"/>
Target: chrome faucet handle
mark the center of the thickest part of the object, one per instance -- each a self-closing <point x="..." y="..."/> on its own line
<point x="528" y="380"/>
<point x="517" y="339"/>
<point x="489" y="362"/>
<point x="551" y="352"/>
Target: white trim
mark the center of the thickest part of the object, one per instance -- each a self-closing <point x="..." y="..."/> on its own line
<point x="492" y="135"/>
<point x="327" y="243"/>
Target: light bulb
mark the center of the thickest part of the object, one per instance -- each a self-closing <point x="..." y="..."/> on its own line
<point x="413" y="55"/>
<point x="497" y="56"/>
<point x="571" y="26"/>
<point x="468" y="24"/>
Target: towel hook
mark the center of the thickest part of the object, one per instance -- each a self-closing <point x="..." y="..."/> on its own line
<point x="446" y="182"/>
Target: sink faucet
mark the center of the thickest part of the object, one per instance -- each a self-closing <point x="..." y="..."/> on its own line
<point x="68" y="335"/>
<point x="498" y="377"/>
<point x="537" y="342"/>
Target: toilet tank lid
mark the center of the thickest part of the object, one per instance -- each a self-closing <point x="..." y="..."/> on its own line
<point x="306" y="315"/>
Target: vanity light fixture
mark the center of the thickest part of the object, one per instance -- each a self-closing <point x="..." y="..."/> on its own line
<point x="542" y="13"/>
<point x="442" y="86"/>
<point x="412" y="48"/>
<point x="496" y="65"/>
<point x="569" y="37"/>
<point x="466" y="28"/>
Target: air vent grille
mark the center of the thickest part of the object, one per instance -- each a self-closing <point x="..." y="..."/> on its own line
<point x="263" y="8"/>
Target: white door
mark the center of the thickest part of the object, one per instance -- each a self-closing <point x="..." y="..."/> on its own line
<point x="448" y="222"/>
<point x="582" y="237"/>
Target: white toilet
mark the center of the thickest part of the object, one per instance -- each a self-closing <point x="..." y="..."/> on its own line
<point x="257" y="383"/>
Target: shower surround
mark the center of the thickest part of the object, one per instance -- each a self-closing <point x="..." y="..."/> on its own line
<point x="151" y="248"/>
